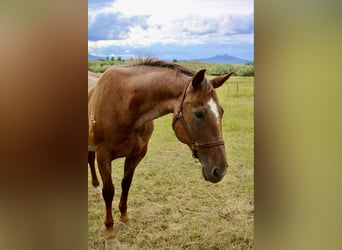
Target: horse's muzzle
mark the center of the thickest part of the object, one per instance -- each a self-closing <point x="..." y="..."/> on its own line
<point x="215" y="174"/>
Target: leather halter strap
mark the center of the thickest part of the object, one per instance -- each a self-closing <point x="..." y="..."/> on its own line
<point x="179" y="116"/>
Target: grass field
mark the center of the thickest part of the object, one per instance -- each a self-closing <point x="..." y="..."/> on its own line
<point x="170" y="204"/>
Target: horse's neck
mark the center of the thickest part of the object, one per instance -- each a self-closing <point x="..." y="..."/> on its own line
<point x="163" y="98"/>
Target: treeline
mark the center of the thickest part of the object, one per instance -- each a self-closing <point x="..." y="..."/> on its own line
<point x="247" y="69"/>
<point x="100" y="66"/>
<point x="239" y="70"/>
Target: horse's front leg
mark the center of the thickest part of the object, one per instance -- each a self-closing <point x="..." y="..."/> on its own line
<point x="108" y="191"/>
<point x="130" y="165"/>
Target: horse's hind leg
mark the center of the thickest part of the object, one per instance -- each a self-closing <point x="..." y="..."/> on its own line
<point x="91" y="162"/>
<point x="108" y="191"/>
<point x="130" y="165"/>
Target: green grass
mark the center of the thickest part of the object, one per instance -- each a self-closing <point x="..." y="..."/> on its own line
<point x="170" y="204"/>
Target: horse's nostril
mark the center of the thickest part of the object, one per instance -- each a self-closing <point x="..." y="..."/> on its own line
<point x="216" y="173"/>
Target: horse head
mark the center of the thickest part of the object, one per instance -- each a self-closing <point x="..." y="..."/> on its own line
<point x="197" y="123"/>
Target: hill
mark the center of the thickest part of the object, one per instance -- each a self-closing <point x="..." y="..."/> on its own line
<point x="92" y="57"/>
<point x="226" y="59"/>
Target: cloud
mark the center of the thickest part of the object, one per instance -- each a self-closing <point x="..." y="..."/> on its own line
<point x="167" y="10"/>
<point x="237" y="24"/>
<point x="168" y="51"/>
<point x="153" y="28"/>
<point x="108" y="25"/>
<point x="99" y="3"/>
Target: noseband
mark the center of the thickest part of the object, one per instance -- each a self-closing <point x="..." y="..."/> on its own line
<point x="179" y="116"/>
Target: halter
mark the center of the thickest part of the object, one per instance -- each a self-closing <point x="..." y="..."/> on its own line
<point x="179" y="116"/>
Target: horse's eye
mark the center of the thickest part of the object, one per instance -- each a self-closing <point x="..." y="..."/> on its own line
<point x="199" y="115"/>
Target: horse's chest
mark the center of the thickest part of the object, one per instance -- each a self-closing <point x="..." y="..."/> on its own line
<point x="131" y="144"/>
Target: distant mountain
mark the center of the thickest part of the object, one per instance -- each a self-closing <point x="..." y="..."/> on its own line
<point x="226" y="59"/>
<point x="92" y="57"/>
<point x="223" y="59"/>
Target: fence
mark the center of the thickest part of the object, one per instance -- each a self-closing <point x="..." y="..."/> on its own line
<point x="241" y="86"/>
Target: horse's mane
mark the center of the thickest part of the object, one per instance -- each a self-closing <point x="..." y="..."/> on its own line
<point x="153" y="62"/>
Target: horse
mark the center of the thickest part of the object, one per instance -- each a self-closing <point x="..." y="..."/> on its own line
<point x="122" y="104"/>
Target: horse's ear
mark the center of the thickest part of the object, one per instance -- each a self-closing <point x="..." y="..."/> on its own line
<point x="198" y="78"/>
<point x="219" y="80"/>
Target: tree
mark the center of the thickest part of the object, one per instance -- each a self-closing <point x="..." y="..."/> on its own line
<point x="119" y="58"/>
<point x="112" y="58"/>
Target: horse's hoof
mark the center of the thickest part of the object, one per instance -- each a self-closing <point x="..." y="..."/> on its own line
<point x="125" y="224"/>
<point x="112" y="244"/>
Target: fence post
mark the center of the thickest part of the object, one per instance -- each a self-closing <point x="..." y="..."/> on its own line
<point x="237" y="87"/>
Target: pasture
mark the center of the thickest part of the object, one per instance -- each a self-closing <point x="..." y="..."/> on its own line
<point x="170" y="205"/>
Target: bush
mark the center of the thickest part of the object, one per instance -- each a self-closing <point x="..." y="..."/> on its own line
<point x="245" y="70"/>
<point x="220" y="69"/>
<point x="249" y="63"/>
<point x="216" y="70"/>
<point x="240" y="70"/>
<point x="98" y="68"/>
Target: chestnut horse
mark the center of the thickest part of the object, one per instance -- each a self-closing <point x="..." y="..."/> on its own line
<point x="122" y="105"/>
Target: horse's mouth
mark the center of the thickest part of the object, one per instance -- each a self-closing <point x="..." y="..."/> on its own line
<point x="203" y="174"/>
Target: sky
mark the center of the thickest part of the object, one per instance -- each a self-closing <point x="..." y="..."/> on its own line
<point x="177" y="29"/>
